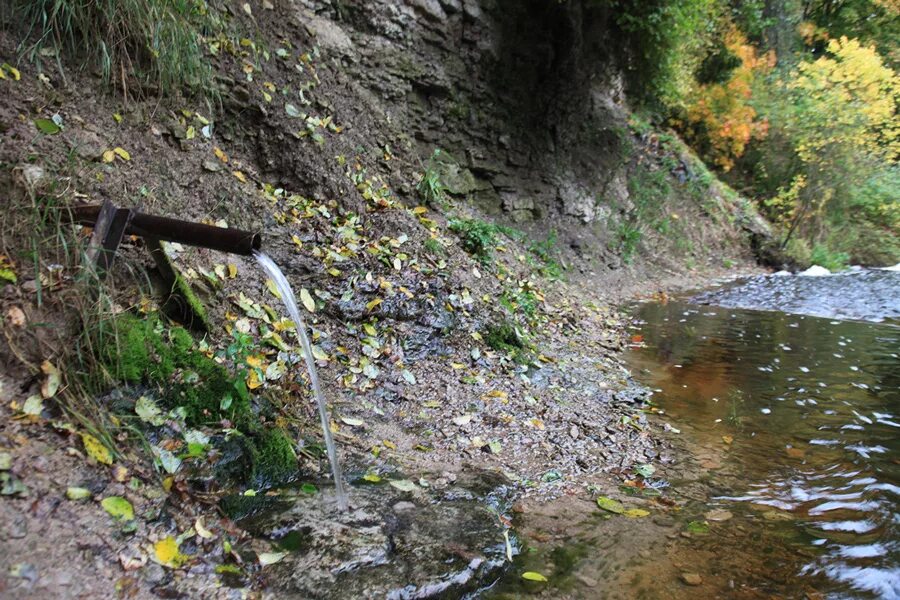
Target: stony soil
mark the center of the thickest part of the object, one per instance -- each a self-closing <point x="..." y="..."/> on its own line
<point x="399" y="327"/>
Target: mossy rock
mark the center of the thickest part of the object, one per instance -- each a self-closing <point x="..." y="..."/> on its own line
<point x="275" y="462"/>
<point x="144" y="351"/>
<point x="239" y="507"/>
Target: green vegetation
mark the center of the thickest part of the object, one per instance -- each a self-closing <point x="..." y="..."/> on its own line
<point x="144" y="351"/>
<point x="157" y="42"/>
<point x="275" y="462"/>
<point x="430" y="187"/>
<point x="505" y="337"/>
<point x="479" y="238"/>
<point x="795" y="103"/>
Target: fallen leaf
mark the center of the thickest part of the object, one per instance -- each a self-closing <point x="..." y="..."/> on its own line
<point x="307" y="300"/>
<point x="118" y="508"/>
<point x="96" y="449"/>
<point x="122" y="153"/>
<point x="352" y="422"/>
<point x="636" y="513"/>
<point x="232" y="270"/>
<point x="201" y="529"/>
<point x="462" y="419"/>
<point x="77" y="493"/>
<point x="273" y="289"/>
<point x="220" y="155"/>
<point x="33" y="406"/>
<point x="373" y="304"/>
<point x="727" y="439"/>
<point x="240" y="176"/>
<point x="253" y="380"/>
<point x="51" y="383"/>
<point x="371" y="478"/>
<point x="148" y="411"/>
<point x="167" y="552"/>
<point x="608" y="504"/>
<point x="16" y="316"/>
<point x="270" y="558"/>
<point x="404" y="485"/>
<point x="47" y="126"/>
<point x="533" y="576"/>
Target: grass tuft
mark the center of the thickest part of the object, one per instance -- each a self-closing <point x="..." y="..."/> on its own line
<point x="153" y="45"/>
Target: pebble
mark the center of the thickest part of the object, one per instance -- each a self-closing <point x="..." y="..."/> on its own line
<point x="404" y="506"/>
<point x="691" y="578"/>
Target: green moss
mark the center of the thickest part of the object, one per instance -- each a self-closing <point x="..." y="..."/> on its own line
<point x="136" y="350"/>
<point x="195" y="311"/>
<point x="275" y="462"/>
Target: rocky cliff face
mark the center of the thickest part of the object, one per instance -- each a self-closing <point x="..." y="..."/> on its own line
<point x="526" y="103"/>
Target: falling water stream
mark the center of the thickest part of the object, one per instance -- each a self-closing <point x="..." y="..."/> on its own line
<point x="290" y="302"/>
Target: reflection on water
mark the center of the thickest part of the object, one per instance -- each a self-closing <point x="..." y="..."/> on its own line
<point x="798" y="419"/>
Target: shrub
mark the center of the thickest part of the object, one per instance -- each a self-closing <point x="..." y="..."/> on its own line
<point x="479" y="238"/>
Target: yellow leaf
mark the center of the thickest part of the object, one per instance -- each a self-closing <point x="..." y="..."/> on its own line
<point x="253" y="380"/>
<point x="191" y="133"/>
<point x="109" y="156"/>
<point x="389" y="444"/>
<point x="373" y="304"/>
<point x="636" y="513"/>
<point x="51" y="384"/>
<point x="334" y="272"/>
<point x="727" y="439"/>
<point x="533" y="576"/>
<point x="232" y="270"/>
<point x="12" y="71"/>
<point x="122" y="153"/>
<point x="273" y="289"/>
<point x="117" y="117"/>
<point x="307" y="300"/>
<point x="240" y="176"/>
<point x="96" y="449"/>
<point x="167" y="552"/>
<point x="201" y="529"/>
<point x="219" y="154"/>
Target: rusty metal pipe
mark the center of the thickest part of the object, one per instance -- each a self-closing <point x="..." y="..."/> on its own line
<point x="223" y="239"/>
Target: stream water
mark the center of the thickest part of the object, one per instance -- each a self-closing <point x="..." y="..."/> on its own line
<point x="290" y="302"/>
<point x="787" y="479"/>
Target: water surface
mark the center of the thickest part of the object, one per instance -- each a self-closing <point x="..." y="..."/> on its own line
<point x="787" y="479"/>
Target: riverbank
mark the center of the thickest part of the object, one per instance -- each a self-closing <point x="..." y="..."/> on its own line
<point x="462" y="312"/>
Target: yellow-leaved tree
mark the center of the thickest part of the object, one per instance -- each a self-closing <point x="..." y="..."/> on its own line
<point x="840" y="113"/>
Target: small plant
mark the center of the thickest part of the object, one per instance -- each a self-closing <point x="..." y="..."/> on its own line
<point x="521" y="300"/>
<point x="629" y="236"/>
<point x="430" y="187"/>
<point x="543" y="251"/>
<point x="505" y="337"/>
<point x="479" y="238"/>
<point x="434" y="247"/>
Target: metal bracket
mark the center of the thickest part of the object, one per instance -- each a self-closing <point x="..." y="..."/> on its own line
<point x="109" y="229"/>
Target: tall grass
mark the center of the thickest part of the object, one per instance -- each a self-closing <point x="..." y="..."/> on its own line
<point x="138" y="45"/>
<point x="72" y="309"/>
